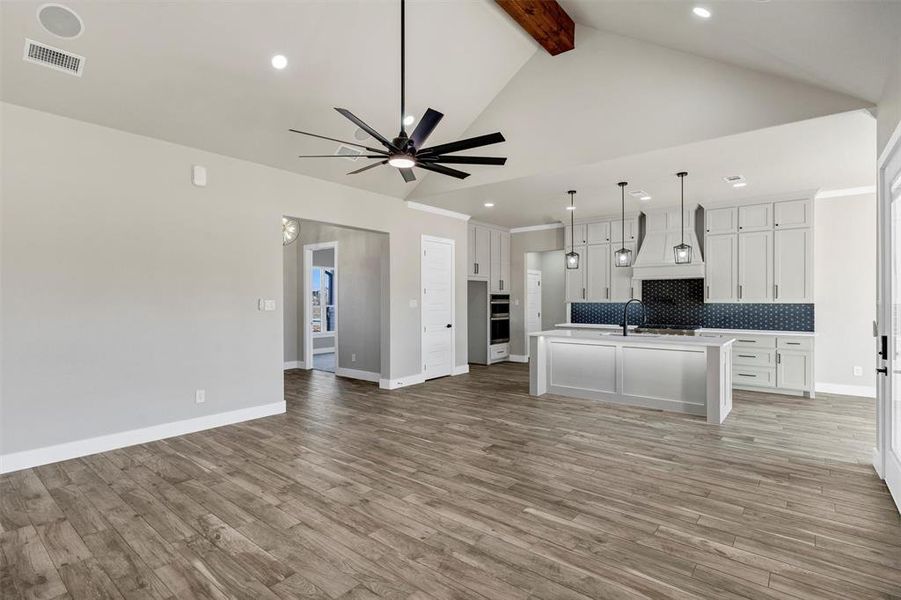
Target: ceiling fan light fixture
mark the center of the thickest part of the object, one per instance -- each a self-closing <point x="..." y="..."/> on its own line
<point x="402" y="161"/>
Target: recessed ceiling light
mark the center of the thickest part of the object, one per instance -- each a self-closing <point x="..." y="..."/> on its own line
<point x="702" y="12"/>
<point x="489" y="204"/>
<point x="279" y="61"/>
<point x="408" y="120"/>
<point x="570" y="208"/>
<point x="740" y="184"/>
<point x="60" y="21"/>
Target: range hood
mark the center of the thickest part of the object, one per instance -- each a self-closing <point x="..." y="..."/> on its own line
<point x="663" y="230"/>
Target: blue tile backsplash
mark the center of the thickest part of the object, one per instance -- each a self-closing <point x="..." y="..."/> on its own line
<point x="681" y="302"/>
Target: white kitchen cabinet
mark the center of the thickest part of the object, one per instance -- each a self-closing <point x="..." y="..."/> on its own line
<point x="597" y="233"/>
<point x="575" y="278"/>
<point x="597" y="273"/>
<point x="793" y="265"/>
<point x="755" y="217"/>
<point x="792" y="214"/>
<point x="479" y="252"/>
<point x="755" y="266"/>
<point x="794" y="370"/>
<point x="621" y="277"/>
<point x="616" y="231"/>
<point x="721" y="220"/>
<point x="721" y="279"/>
<point x="579" y="230"/>
<point x="500" y="261"/>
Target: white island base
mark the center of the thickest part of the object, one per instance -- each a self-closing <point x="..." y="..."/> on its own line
<point x="683" y="374"/>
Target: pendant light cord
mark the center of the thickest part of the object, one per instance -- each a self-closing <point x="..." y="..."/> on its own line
<point x="572" y="223"/>
<point x="622" y="239"/>
<point x="402" y="66"/>
<point x="682" y="184"/>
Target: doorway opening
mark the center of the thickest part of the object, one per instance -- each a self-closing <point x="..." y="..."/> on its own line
<point x="336" y="317"/>
<point x="545" y="302"/>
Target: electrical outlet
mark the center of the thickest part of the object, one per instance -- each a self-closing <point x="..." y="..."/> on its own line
<point x="200" y="396"/>
<point x="858" y="371"/>
<point x="353" y="358"/>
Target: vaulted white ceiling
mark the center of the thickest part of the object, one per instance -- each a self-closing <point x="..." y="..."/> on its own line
<point x="644" y="77"/>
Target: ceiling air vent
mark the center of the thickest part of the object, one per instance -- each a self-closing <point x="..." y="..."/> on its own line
<point x="733" y="179"/>
<point x="348" y="152"/>
<point x="48" y="56"/>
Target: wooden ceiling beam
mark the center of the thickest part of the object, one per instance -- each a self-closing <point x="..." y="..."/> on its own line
<point x="544" y="20"/>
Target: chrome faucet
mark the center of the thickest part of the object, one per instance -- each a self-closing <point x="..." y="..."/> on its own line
<point x="644" y="314"/>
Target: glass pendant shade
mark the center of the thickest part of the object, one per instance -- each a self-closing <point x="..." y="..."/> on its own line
<point x="290" y="229"/>
<point x="572" y="260"/>
<point x="683" y="254"/>
<point x="622" y="257"/>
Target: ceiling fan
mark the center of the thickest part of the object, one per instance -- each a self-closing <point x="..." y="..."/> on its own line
<point x="406" y="151"/>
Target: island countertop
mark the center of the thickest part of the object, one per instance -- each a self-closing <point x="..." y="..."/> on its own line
<point x="633" y="339"/>
<point x="702" y="330"/>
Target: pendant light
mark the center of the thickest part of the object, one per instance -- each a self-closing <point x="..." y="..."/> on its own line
<point x="572" y="257"/>
<point x="623" y="256"/>
<point x="683" y="250"/>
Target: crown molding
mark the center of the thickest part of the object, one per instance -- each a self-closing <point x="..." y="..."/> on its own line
<point x="537" y="228"/>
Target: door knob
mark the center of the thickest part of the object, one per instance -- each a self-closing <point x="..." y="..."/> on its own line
<point x="883" y="370"/>
<point x="448" y="325"/>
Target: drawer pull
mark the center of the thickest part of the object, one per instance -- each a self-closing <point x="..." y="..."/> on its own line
<point x="746" y="375"/>
<point x="747" y="356"/>
<point x="792" y="343"/>
<point x="748" y="341"/>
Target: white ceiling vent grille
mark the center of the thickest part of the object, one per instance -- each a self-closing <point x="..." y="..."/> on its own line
<point x="733" y="179"/>
<point x="348" y="152"/>
<point x="48" y="56"/>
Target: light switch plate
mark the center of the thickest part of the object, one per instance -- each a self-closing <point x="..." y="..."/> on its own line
<point x="198" y="175"/>
<point x="269" y="305"/>
<point x="200" y="396"/>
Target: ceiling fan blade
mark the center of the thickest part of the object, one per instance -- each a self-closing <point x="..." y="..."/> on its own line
<point x="407" y="175"/>
<point x="426" y="125"/>
<point x="322" y="137"/>
<point x="443" y="170"/>
<point x="340" y="156"/>
<point x="475" y="142"/>
<point x="367" y="128"/>
<point x="467" y="160"/>
<point x="378" y="164"/>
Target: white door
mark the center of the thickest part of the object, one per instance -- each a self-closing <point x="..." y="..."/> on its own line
<point x="597" y="273"/>
<point x="755" y="266"/>
<point x="793" y="268"/>
<point x="437" y="307"/>
<point x="722" y="268"/>
<point x="888" y="443"/>
<point x="575" y="278"/>
<point x="533" y="302"/>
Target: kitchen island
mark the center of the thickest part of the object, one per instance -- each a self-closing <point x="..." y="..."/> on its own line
<point x="684" y="374"/>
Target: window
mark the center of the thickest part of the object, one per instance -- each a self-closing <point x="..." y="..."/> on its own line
<point x="322" y="283"/>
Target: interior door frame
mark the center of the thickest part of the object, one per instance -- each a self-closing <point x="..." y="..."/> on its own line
<point x="453" y="305"/>
<point x="525" y="325"/>
<point x="308" y="250"/>
<point x="885" y="463"/>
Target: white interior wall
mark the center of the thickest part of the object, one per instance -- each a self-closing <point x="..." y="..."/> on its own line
<point x="521" y="245"/>
<point x="553" y="289"/>
<point x="845" y="294"/>
<point x="125" y="288"/>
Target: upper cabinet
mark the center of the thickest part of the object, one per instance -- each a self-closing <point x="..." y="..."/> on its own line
<point x="618" y="231"/>
<point x="479" y="246"/>
<point x="500" y="260"/>
<point x="760" y="253"/>
<point x="755" y="217"/>
<point x="580" y="233"/>
<point x="721" y="220"/>
<point x="793" y="214"/>
<point x="597" y="233"/>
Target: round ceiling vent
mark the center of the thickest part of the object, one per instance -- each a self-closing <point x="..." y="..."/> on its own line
<point x="60" y="21"/>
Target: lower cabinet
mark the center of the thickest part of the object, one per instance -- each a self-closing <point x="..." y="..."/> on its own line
<point x="778" y="363"/>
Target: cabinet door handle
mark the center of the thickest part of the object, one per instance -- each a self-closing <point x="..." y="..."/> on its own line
<point x="477" y="268"/>
<point x="607" y="293"/>
<point x="583" y="293"/>
<point x="778" y="359"/>
<point x="502" y="284"/>
<point x="739" y="292"/>
<point x="777" y="290"/>
<point x="708" y="292"/>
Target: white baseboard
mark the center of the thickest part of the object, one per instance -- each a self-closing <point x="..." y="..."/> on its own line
<point x="461" y="370"/>
<point x="329" y="350"/>
<point x="399" y="382"/>
<point x="294" y="364"/>
<point x="520" y="358"/>
<point x="51" y="454"/>
<point x="877" y="462"/>
<point x="866" y="391"/>
<point x="358" y="374"/>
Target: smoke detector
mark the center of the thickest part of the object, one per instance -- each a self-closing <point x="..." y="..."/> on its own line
<point x="60" y="21"/>
<point x="348" y="152"/>
<point x="54" y="58"/>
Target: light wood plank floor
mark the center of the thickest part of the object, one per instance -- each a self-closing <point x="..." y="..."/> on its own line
<point x="467" y="487"/>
